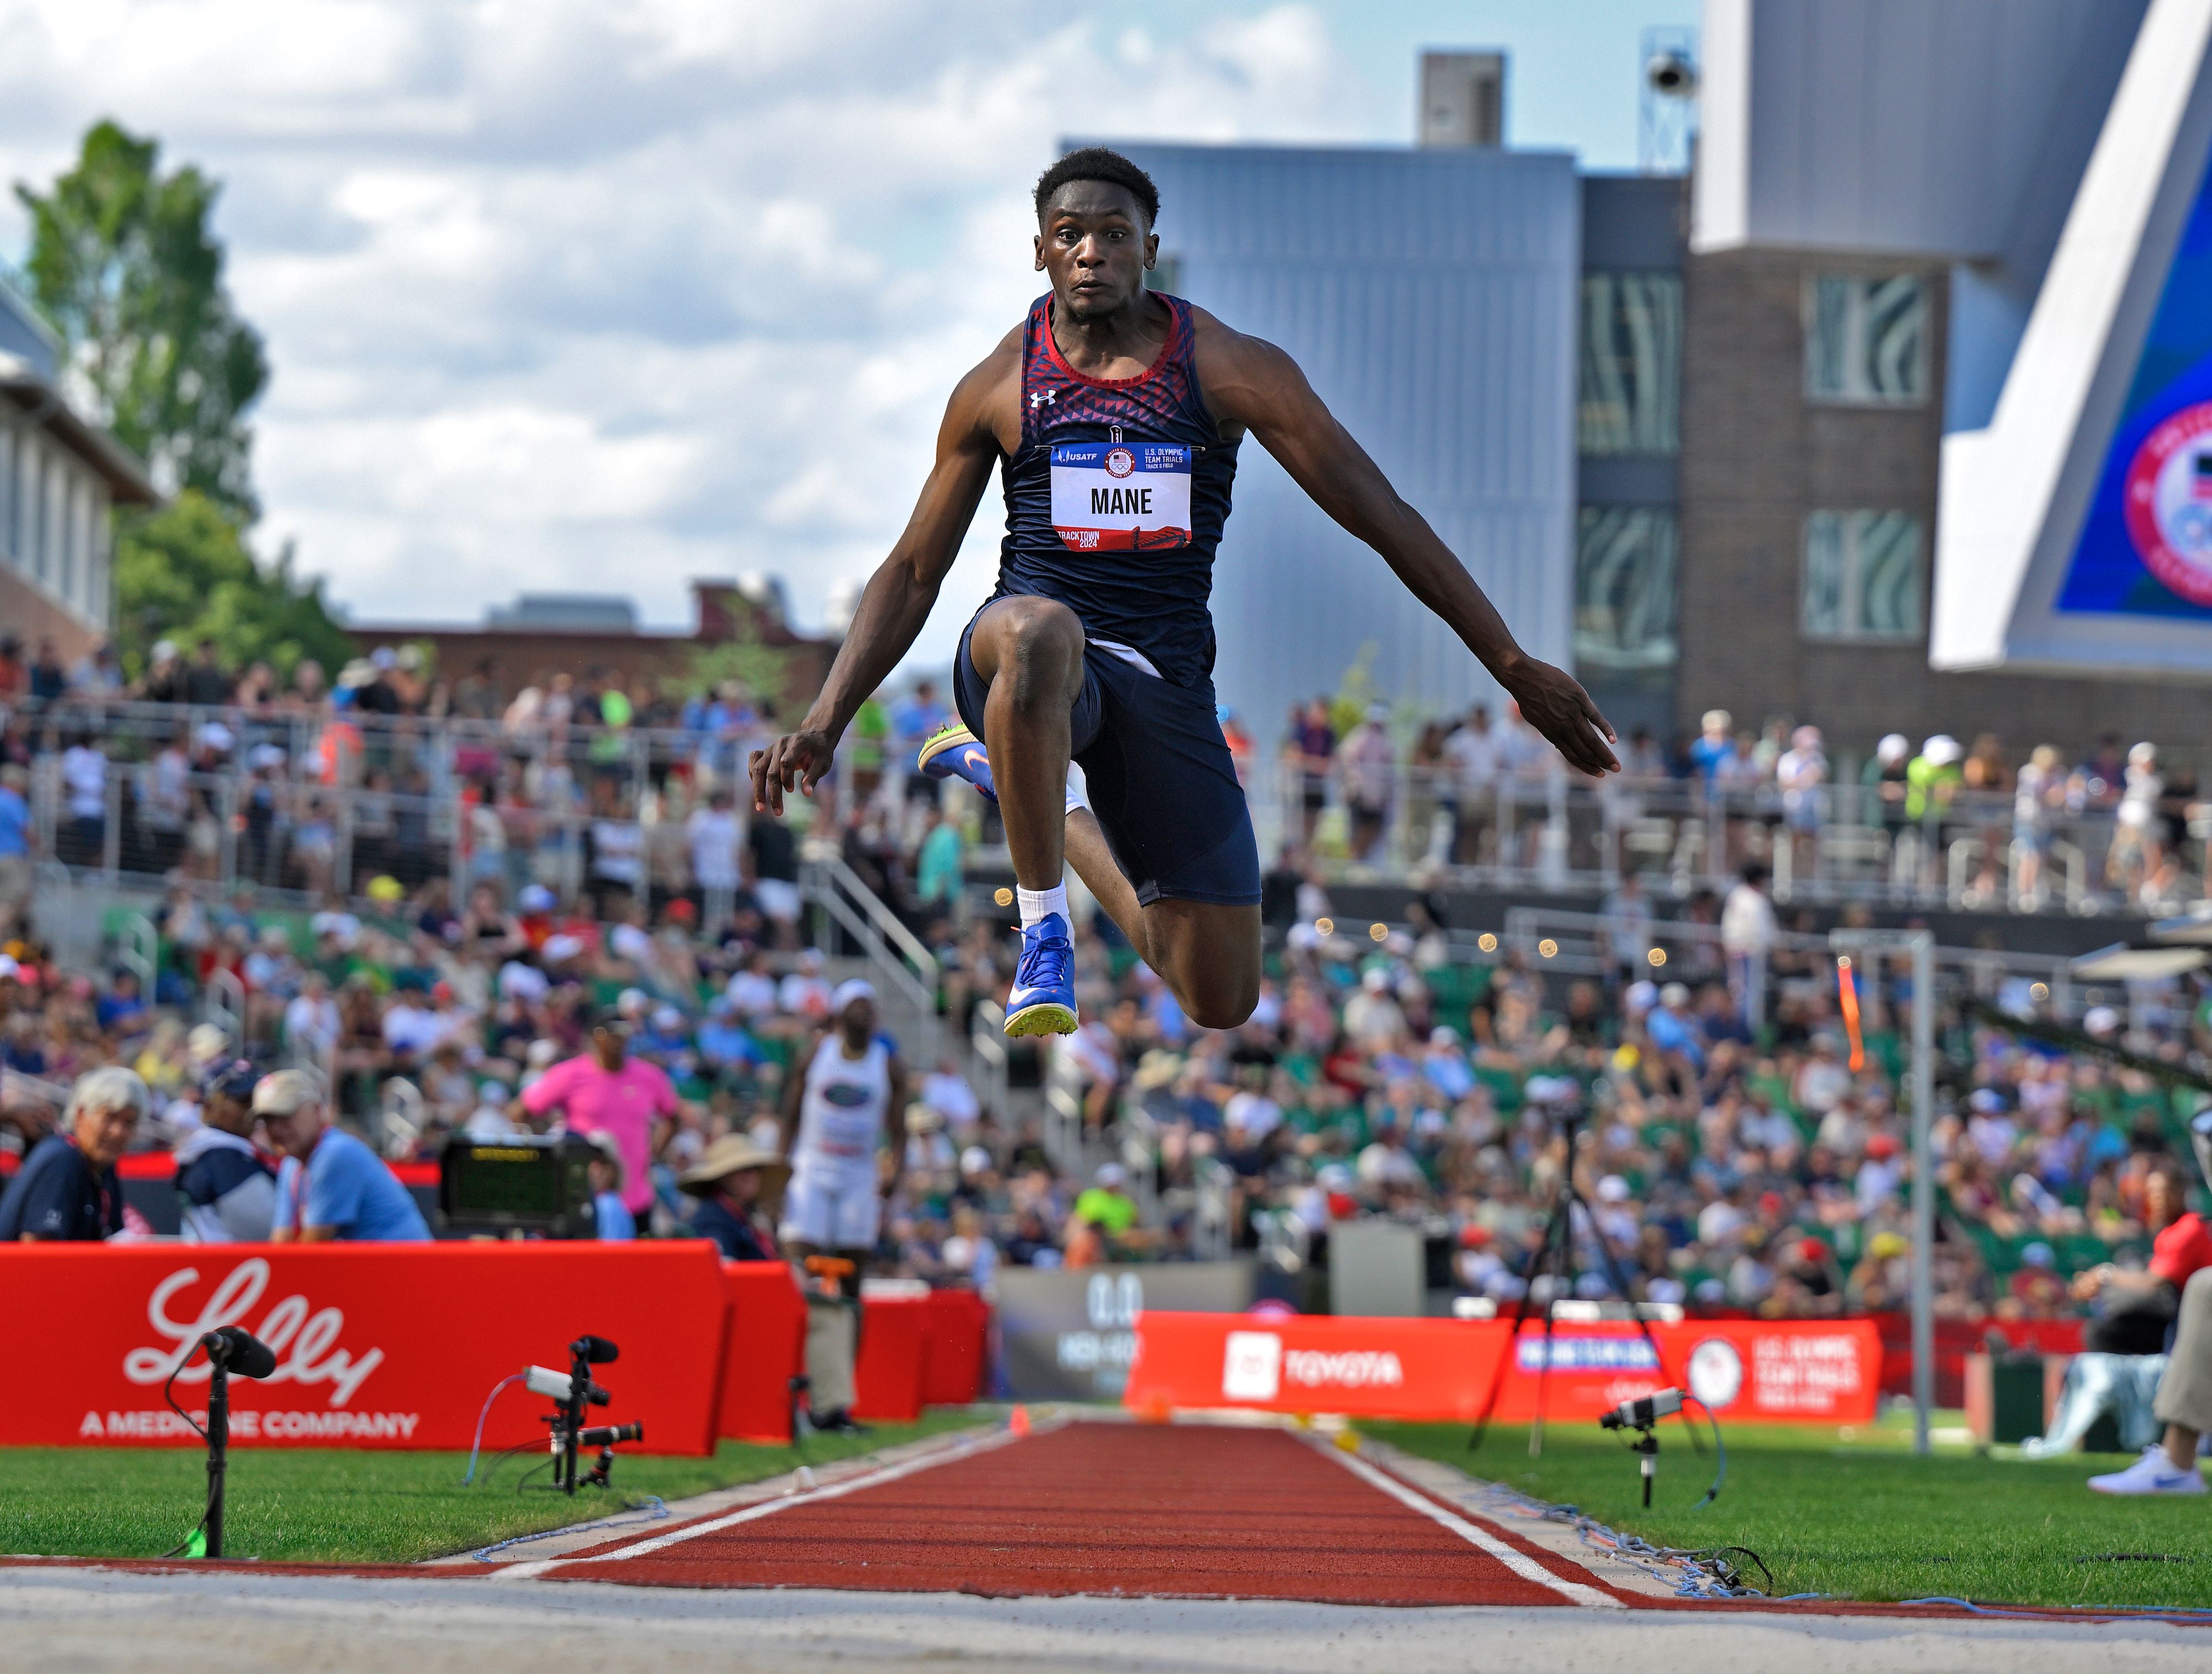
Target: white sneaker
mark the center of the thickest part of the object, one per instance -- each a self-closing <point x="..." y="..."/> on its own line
<point x="2153" y="1473"/>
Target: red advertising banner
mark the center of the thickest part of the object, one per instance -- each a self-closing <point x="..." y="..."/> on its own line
<point x="915" y="1352"/>
<point x="391" y="1345"/>
<point x="955" y="1349"/>
<point x="1797" y="1370"/>
<point x="767" y="1350"/>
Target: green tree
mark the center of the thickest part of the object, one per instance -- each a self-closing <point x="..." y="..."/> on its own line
<point x="761" y="668"/>
<point x="124" y="264"/>
<point x="185" y="573"/>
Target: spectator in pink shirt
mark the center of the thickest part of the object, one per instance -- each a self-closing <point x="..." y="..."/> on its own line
<point x="605" y="1090"/>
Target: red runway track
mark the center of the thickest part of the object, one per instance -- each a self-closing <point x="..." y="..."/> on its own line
<point x="1160" y="1511"/>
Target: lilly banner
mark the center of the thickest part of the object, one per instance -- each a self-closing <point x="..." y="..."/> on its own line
<point x="1823" y="1372"/>
<point x="377" y="1346"/>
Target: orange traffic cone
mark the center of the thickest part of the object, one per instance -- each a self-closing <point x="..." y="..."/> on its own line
<point x="1018" y="1421"/>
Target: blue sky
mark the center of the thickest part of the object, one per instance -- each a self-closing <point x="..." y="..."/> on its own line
<point x="1571" y="82"/>
<point x="564" y="295"/>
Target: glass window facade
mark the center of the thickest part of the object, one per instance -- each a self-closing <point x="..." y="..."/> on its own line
<point x="1624" y="569"/>
<point x="1628" y="398"/>
<point x="1865" y="576"/>
<point x="1866" y="339"/>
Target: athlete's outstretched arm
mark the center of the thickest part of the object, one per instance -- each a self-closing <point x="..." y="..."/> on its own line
<point x="897" y="599"/>
<point x="1254" y="385"/>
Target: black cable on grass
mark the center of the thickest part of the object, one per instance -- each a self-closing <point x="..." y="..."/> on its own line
<point x="2133" y="1557"/>
<point x="502" y="1457"/>
<point x="1729" y="1574"/>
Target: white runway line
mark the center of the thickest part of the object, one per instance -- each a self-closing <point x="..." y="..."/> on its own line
<point x="1514" y="1559"/>
<point x="889" y="1473"/>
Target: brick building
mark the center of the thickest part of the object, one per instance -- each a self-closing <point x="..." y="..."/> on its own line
<point x="1807" y="522"/>
<point x="526" y="643"/>
<point x="1936" y="259"/>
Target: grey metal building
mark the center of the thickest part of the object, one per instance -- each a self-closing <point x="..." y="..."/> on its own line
<point x="1432" y="296"/>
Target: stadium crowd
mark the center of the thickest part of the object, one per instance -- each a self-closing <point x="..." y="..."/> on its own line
<point x="595" y="858"/>
<point x="1448" y="794"/>
<point x="593" y="781"/>
<point x="1734" y="1155"/>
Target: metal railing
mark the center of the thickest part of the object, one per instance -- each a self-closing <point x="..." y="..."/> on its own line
<point x="986" y="1040"/>
<point x="826" y="882"/>
<point x="1598" y="944"/>
<point x="1545" y="828"/>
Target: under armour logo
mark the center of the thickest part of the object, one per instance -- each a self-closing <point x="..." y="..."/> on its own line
<point x="1043" y="397"/>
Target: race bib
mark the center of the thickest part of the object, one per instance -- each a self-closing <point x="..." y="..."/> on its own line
<point x="1121" y="496"/>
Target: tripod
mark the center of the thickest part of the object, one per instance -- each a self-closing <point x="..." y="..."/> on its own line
<point x="1557" y="1252"/>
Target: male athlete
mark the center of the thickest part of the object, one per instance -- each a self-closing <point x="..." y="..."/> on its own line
<point x="843" y="1100"/>
<point x="1116" y="412"/>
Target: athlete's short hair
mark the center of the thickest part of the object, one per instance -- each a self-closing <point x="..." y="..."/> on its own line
<point x="1096" y="162"/>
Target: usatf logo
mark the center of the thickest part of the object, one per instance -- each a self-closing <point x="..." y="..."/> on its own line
<point x="1119" y="462"/>
<point x="2167" y="501"/>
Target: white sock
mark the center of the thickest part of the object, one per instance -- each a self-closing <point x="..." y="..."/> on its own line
<point x="1036" y="903"/>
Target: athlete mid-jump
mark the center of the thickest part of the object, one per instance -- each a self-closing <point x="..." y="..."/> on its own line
<point x="1116" y="412"/>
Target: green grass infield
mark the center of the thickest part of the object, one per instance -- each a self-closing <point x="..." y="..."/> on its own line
<point x="339" y="1506"/>
<point x="1854" y="1515"/>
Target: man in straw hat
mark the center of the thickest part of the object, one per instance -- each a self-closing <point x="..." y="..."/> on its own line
<point x="738" y="1186"/>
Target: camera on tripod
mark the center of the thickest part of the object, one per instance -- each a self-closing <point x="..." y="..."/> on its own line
<point x="1645" y="1411"/>
<point x="574" y="1393"/>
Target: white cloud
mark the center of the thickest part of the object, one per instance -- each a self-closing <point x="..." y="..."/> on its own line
<point x="562" y="294"/>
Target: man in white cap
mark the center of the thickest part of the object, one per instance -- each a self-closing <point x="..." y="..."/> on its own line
<point x="837" y="1118"/>
<point x="330" y="1186"/>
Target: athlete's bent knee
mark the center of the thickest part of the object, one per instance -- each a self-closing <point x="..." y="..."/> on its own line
<point x="1043" y="651"/>
<point x="1222" y="1006"/>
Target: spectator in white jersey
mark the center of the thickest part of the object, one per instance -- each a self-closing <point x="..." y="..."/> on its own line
<point x="838" y="1115"/>
<point x="227" y="1191"/>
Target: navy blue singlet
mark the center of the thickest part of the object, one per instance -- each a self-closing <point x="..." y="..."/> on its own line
<point x="1116" y="498"/>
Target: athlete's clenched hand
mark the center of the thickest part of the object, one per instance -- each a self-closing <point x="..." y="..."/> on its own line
<point x="797" y="760"/>
<point x="1553" y="702"/>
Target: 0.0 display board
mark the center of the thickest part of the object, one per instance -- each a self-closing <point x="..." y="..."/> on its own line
<point x="1071" y="1336"/>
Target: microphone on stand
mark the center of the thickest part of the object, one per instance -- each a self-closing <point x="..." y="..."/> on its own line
<point x="229" y="1349"/>
<point x="238" y="1351"/>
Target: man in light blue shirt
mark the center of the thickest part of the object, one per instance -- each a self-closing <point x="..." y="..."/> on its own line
<point x="14" y="845"/>
<point x="329" y="1185"/>
<point x="610" y="1214"/>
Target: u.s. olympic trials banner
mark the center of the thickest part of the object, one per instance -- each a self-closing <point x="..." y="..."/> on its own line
<point x="2145" y="548"/>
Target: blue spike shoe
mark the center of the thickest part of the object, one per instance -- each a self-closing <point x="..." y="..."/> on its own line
<point x="954" y="752"/>
<point x="1043" y="999"/>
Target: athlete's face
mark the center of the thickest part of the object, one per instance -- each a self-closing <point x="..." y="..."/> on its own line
<point x="1094" y="243"/>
